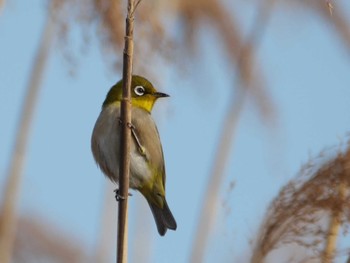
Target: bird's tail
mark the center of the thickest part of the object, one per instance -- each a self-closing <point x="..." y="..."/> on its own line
<point x="163" y="217"/>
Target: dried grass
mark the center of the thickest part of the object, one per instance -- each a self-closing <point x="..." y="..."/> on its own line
<point x="104" y="19"/>
<point x="302" y="209"/>
<point x="302" y="202"/>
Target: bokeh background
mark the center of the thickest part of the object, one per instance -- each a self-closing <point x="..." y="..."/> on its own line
<point x="258" y="88"/>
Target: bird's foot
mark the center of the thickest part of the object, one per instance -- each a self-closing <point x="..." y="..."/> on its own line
<point x="118" y="196"/>
<point x="129" y="124"/>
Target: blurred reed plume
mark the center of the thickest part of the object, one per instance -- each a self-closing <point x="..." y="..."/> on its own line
<point x="2" y="4"/>
<point x="310" y="210"/>
<point x="40" y="241"/>
<point x="104" y="20"/>
<point x="245" y="63"/>
<point x="337" y="18"/>
<point x="158" y="40"/>
<point x="11" y="194"/>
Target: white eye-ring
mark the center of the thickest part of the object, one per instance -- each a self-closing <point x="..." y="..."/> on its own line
<point x="139" y="90"/>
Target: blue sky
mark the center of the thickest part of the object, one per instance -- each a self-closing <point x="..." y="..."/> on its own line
<point x="307" y="71"/>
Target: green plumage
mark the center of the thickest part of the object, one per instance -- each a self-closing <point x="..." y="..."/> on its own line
<point x="147" y="169"/>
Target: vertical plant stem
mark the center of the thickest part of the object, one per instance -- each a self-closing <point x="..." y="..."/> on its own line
<point x="11" y="195"/>
<point x="334" y="227"/>
<point x="335" y="221"/>
<point x="208" y="212"/>
<point x="332" y="237"/>
<point x="244" y="60"/>
<point x="124" y="171"/>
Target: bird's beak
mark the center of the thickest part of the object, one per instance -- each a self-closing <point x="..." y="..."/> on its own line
<point x="160" y="95"/>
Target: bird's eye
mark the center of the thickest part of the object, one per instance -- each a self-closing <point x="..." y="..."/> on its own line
<point x="139" y="90"/>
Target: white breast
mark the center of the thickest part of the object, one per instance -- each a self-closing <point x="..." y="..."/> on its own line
<point x="105" y="144"/>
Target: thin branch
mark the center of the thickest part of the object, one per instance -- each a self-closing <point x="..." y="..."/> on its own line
<point x="135" y="6"/>
<point x="125" y="136"/>
<point x="8" y="224"/>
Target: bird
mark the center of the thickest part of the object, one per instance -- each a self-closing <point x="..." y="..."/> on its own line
<point x="147" y="168"/>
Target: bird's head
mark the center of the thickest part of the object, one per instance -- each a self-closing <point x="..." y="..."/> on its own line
<point x="143" y="94"/>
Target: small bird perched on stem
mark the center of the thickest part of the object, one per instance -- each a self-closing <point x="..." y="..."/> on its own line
<point x="147" y="169"/>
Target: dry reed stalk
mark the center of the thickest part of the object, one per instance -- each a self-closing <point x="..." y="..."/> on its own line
<point x="336" y="216"/>
<point x="40" y="241"/>
<point x="334" y="228"/>
<point x="125" y="138"/>
<point x="208" y="211"/>
<point x="12" y="186"/>
<point x="197" y="12"/>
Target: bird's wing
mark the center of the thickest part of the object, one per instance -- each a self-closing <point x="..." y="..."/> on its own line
<point x="148" y="135"/>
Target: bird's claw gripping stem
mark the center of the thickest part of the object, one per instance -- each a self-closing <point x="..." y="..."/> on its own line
<point x="118" y="196"/>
